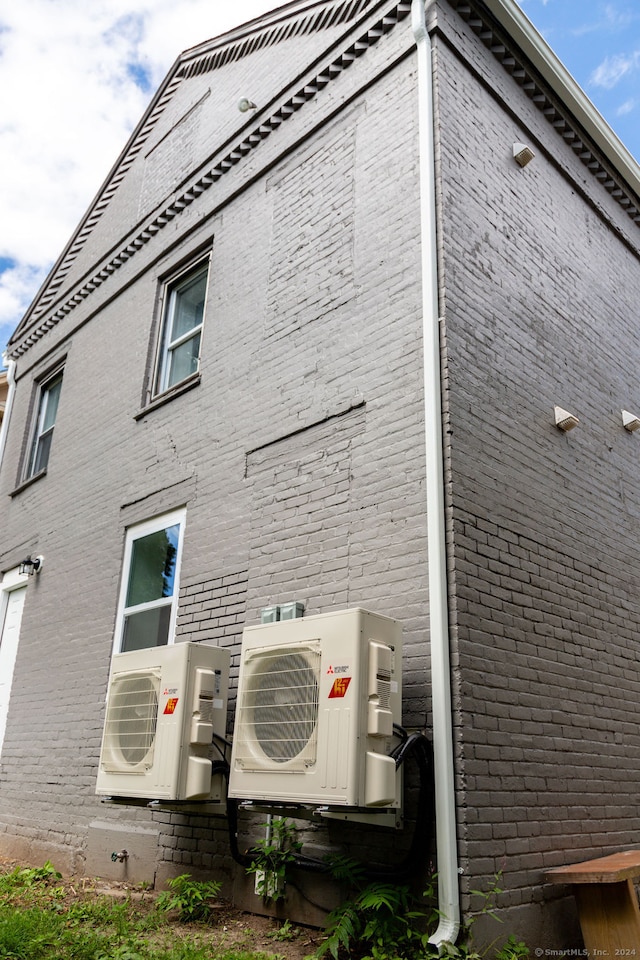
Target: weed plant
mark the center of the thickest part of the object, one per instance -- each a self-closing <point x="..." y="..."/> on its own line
<point x="384" y="921"/>
<point x="193" y="899"/>
<point x="42" y="919"/>
<point x="286" y="931"/>
<point x="272" y="858"/>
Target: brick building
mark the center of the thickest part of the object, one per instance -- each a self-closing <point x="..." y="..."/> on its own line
<point x="262" y="343"/>
<point x="4" y="389"/>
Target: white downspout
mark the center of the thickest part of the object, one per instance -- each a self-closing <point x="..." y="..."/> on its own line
<point x="445" y="810"/>
<point x="11" y="380"/>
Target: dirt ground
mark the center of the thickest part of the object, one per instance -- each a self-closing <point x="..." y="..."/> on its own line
<point x="234" y="928"/>
<point x="228" y="926"/>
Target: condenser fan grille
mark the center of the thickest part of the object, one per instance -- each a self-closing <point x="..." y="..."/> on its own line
<point x="279" y="711"/>
<point x="130" y="727"/>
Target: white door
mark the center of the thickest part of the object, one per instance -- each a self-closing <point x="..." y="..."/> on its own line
<point x="12" y="596"/>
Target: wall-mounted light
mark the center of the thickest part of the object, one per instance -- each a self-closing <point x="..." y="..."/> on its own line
<point x="246" y="104"/>
<point x="31" y="565"/>
<point x="522" y="154"/>
<point x="565" y="420"/>
<point x="629" y="421"/>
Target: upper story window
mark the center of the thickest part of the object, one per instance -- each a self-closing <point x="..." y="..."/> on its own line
<point x="150" y="582"/>
<point x="179" y="355"/>
<point x="49" y="396"/>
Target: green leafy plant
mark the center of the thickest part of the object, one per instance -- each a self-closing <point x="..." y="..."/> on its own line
<point x="285" y="932"/>
<point x="384" y="922"/>
<point x="25" y="933"/>
<point x="272" y="857"/>
<point x="36" y="923"/>
<point x="26" y="878"/>
<point x="29" y="876"/>
<point x="193" y="899"/>
<point x="380" y="922"/>
<point x="513" y="949"/>
<point x="125" y="951"/>
<point x="345" y="870"/>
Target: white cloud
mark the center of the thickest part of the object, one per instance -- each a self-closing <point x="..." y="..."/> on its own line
<point x="617" y="19"/>
<point x="627" y="107"/>
<point x="77" y="78"/>
<point x="18" y="283"/>
<point x="612" y="69"/>
<point x="15" y="281"/>
<point x="610" y="20"/>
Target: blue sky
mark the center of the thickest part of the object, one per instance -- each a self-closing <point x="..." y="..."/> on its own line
<point x="104" y="59"/>
<point x="599" y="43"/>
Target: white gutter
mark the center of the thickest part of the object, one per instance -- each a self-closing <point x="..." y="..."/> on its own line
<point x="11" y="380"/>
<point x="445" y="809"/>
<point x="517" y="25"/>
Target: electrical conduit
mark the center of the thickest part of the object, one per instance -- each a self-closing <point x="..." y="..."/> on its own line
<point x="446" y="844"/>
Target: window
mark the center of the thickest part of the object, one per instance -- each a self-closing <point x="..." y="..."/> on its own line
<point x="45" y="422"/>
<point x="179" y="356"/>
<point x="150" y="583"/>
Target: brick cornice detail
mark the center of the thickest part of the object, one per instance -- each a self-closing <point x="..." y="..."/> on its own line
<point x="245" y="146"/>
<point x="561" y="122"/>
<point x="192" y="66"/>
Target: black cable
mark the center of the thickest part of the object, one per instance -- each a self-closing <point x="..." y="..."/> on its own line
<point x="421" y="749"/>
<point x="400" y="731"/>
<point x="415" y="745"/>
<point x="232" y="825"/>
<point x="227" y="743"/>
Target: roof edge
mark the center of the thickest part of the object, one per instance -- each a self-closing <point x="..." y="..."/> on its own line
<point x="261" y="22"/>
<point x="551" y="69"/>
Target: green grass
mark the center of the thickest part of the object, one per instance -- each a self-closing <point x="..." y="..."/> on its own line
<point x="44" y="918"/>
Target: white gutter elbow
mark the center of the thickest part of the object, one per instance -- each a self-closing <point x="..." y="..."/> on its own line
<point x="443" y="759"/>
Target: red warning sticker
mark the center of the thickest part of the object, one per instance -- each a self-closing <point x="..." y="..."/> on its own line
<point x="340" y="687"/>
<point x="172" y="703"/>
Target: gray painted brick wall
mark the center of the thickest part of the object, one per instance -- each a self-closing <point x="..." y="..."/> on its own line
<point x="334" y="402"/>
<point x="542" y="278"/>
<point x="300" y="457"/>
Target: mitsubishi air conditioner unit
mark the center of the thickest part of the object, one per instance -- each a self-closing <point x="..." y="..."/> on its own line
<point x="165" y="706"/>
<point x="317" y="701"/>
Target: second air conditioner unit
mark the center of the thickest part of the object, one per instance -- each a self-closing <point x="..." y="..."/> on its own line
<point x="166" y="716"/>
<point x="317" y="701"/>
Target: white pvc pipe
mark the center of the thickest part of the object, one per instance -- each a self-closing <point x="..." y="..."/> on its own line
<point x="445" y="809"/>
<point x="11" y="380"/>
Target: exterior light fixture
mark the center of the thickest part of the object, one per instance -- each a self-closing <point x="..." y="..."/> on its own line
<point x="246" y="104"/>
<point x="522" y="154"/>
<point x="565" y="420"/>
<point x="31" y="565"/>
<point x="629" y="421"/>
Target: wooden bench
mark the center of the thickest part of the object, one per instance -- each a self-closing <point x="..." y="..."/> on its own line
<point x="607" y="902"/>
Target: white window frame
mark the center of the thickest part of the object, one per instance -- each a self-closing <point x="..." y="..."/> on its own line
<point x="169" y="344"/>
<point x="38" y="432"/>
<point x="136" y="532"/>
